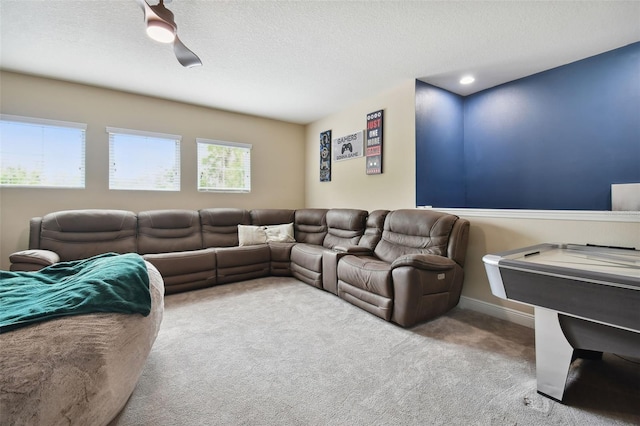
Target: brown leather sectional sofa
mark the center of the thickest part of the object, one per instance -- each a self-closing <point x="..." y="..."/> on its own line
<point x="405" y="266"/>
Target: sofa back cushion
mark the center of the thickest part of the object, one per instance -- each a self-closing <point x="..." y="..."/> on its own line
<point x="373" y="232"/>
<point x="79" y="234"/>
<point x="415" y="231"/>
<point x="271" y="216"/>
<point x="344" y="227"/>
<point x="164" y="231"/>
<point x="310" y="225"/>
<point x="220" y="226"/>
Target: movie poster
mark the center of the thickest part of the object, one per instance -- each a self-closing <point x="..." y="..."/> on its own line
<point x="325" y="156"/>
<point x="374" y="143"/>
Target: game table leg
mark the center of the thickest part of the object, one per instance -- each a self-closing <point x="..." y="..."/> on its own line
<point x="553" y="354"/>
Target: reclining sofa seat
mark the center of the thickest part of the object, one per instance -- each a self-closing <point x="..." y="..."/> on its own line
<point x="344" y="227"/>
<point x="76" y="234"/>
<point x="171" y="240"/>
<point x="233" y="262"/>
<point x="365" y="244"/>
<point x="280" y="251"/>
<point x="315" y="264"/>
<point x="310" y="228"/>
<point x="415" y="271"/>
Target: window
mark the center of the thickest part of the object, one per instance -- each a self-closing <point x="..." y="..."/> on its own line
<point x="41" y="153"/>
<point x="223" y="166"/>
<point x="141" y="160"/>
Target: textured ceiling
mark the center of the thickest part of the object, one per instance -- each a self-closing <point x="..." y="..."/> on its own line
<point x="299" y="61"/>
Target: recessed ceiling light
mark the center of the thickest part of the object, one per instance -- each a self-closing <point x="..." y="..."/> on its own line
<point x="467" y="79"/>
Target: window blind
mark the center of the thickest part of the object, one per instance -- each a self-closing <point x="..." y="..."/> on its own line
<point x="140" y="160"/>
<point x="223" y="166"/>
<point x="41" y="153"/>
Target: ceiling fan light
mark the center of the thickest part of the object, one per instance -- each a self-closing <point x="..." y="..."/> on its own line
<point x="161" y="31"/>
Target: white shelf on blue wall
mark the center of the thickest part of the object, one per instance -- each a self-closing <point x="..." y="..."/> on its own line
<point x="586" y="215"/>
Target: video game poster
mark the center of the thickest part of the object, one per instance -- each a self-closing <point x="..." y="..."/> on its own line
<point x="325" y="156"/>
<point x="374" y="143"/>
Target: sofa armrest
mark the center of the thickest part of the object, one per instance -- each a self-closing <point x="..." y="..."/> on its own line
<point x="353" y="249"/>
<point x="429" y="262"/>
<point x="32" y="260"/>
<point x="330" y="259"/>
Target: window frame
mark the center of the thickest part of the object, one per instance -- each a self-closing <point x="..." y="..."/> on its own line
<point x="246" y="168"/>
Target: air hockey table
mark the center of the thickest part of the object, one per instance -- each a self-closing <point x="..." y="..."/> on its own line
<point x="586" y="301"/>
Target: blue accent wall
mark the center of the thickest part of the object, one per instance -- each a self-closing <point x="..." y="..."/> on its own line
<point x="439" y="151"/>
<point x="554" y="140"/>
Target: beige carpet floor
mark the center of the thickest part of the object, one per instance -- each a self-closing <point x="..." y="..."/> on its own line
<point x="275" y="351"/>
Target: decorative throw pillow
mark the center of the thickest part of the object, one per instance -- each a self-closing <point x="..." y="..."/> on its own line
<point x="280" y="233"/>
<point x="249" y="235"/>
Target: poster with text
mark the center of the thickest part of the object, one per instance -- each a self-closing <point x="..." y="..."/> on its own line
<point x="348" y="147"/>
<point x="374" y="143"/>
<point x="325" y="156"/>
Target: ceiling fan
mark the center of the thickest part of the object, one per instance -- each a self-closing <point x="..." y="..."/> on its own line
<point x="162" y="27"/>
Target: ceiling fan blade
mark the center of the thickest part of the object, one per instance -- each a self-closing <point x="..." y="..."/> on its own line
<point x="146" y="9"/>
<point x="157" y="13"/>
<point x="185" y="56"/>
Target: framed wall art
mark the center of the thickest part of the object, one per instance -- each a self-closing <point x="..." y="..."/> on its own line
<point x="348" y="147"/>
<point x="374" y="143"/>
<point x="325" y="156"/>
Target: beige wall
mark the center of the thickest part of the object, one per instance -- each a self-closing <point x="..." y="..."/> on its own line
<point x="350" y="187"/>
<point x="395" y="188"/>
<point x="277" y="154"/>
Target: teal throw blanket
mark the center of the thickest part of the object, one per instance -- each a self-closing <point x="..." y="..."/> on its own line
<point x="108" y="282"/>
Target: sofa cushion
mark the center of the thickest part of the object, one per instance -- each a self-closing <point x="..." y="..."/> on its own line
<point x="183" y="262"/>
<point x="306" y="263"/>
<point x="79" y="234"/>
<point x="344" y="227"/>
<point x="414" y="231"/>
<point x="271" y="216"/>
<point x="310" y="226"/>
<point x="164" y="231"/>
<point x="280" y="233"/>
<point x="308" y="256"/>
<point x="249" y="235"/>
<point x="281" y="258"/>
<point x="367" y="273"/>
<point x="185" y="270"/>
<point x="242" y="263"/>
<point x="373" y="230"/>
<point x="220" y="226"/>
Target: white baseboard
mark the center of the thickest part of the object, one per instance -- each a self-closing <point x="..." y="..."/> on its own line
<point x="497" y="311"/>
